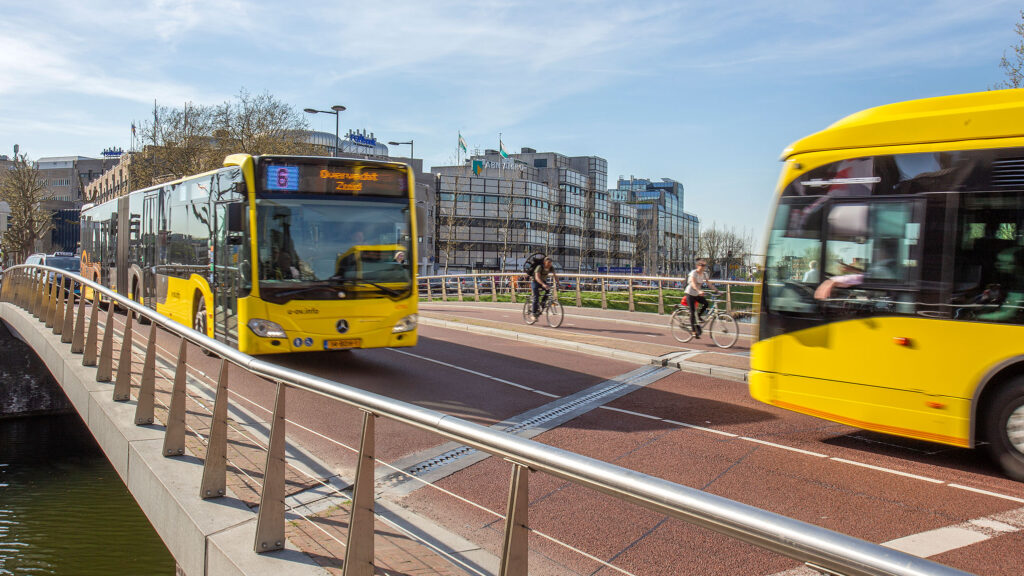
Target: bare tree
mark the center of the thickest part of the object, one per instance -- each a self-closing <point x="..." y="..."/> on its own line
<point x="721" y="246"/>
<point x="195" y="138"/>
<point x="24" y="193"/>
<point x="259" y="124"/>
<point x="1013" y="66"/>
<point x="451" y="221"/>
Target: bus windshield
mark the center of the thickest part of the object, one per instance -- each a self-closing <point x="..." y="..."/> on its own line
<point x="302" y="241"/>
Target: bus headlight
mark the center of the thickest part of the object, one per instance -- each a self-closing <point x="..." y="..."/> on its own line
<point x="406" y="324"/>
<point x="266" y="328"/>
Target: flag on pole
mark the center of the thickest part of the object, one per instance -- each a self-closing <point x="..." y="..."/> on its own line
<point x="133" y="129"/>
<point x="462" y="143"/>
<point x="501" y="149"/>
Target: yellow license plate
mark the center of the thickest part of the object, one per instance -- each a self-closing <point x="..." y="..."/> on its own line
<point x="342" y="344"/>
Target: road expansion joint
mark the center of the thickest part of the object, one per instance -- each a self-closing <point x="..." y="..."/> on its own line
<point x="432" y="465"/>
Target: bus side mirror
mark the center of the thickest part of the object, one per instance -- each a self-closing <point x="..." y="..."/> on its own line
<point x="236" y="215"/>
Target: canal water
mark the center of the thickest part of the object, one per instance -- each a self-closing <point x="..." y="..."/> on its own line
<point x="63" y="508"/>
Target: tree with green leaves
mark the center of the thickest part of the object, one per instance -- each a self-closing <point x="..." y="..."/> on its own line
<point x="1013" y="66"/>
<point x="24" y="193"/>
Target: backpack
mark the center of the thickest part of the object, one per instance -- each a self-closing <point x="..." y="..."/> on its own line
<point x="530" y="264"/>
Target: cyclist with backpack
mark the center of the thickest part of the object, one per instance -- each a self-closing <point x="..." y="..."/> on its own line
<point x="540" y="270"/>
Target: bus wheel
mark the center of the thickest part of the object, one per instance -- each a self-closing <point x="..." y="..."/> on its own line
<point x="199" y="319"/>
<point x="137" y="297"/>
<point x="1004" y="428"/>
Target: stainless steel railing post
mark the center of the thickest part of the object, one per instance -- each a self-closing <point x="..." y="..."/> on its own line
<point x="123" y="383"/>
<point x="69" y="316"/>
<point x="476" y="288"/>
<point x="215" y="466"/>
<point x="46" y="307"/>
<point x="174" y="433"/>
<point x="104" y="372"/>
<point x="57" y="321"/>
<point x="359" y="543"/>
<point x="147" y="385"/>
<point x="92" y="340"/>
<point x="270" y="521"/>
<point x="515" y="552"/>
<point x="78" y="340"/>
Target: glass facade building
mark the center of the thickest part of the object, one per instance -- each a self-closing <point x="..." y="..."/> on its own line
<point x="492" y="212"/>
<point x="668" y="237"/>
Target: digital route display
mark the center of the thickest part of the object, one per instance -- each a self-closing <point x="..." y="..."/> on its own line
<point x="332" y="176"/>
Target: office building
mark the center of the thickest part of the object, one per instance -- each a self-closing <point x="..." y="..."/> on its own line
<point x="668" y="237"/>
<point x="494" y="211"/>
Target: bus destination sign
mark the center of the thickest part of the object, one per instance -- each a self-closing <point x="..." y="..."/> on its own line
<point x="349" y="178"/>
<point x="347" y="181"/>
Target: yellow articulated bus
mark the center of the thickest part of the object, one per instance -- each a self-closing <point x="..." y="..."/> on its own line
<point x="269" y="254"/>
<point x="893" y="296"/>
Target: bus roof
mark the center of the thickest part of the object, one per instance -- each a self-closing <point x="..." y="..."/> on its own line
<point x="976" y="116"/>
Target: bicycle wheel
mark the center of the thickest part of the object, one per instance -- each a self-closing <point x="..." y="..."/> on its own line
<point x="680" y="324"/>
<point x="724" y="331"/>
<point x="555" y="314"/>
<point x="527" y="309"/>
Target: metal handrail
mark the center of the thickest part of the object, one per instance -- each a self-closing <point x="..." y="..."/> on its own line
<point x="819" y="547"/>
<point x="741" y="304"/>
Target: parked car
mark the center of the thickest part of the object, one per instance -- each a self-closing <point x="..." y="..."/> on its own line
<point x="64" y="261"/>
<point x="36" y="258"/>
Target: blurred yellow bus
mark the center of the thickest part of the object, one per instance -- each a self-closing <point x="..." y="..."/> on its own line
<point x="893" y="296"/>
<point x="251" y="253"/>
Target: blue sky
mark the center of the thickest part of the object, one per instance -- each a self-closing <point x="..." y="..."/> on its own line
<point x="704" y="92"/>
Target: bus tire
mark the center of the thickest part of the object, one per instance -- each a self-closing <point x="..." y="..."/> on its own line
<point x="1004" y="428"/>
<point x="137" y="297"/>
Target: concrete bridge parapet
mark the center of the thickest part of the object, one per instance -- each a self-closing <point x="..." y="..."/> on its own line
<point x="204" y="536"/>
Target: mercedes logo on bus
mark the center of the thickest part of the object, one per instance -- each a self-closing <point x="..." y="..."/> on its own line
<point x="342" y="326"/>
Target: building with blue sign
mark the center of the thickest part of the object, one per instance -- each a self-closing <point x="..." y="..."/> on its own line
<point x="668" y="237"/>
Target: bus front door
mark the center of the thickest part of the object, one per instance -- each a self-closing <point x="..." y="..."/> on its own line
<point x="228" y="248"/>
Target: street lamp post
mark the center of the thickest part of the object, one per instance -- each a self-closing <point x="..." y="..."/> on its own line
<point x="336" y="110"/>
<point x="412" y="153"/>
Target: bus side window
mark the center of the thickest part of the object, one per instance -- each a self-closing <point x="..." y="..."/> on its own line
<point x="988" y="282"/>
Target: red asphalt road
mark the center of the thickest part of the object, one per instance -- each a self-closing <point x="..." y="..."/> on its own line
<point x="642" y="327"/>
<point x="876" y="505"/>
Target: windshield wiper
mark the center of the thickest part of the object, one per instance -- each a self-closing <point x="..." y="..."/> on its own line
<point x="353" y="282"/>
<point x="300" y="291"/>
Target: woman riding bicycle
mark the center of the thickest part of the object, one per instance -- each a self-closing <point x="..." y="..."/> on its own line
<point x="695" y="293"/>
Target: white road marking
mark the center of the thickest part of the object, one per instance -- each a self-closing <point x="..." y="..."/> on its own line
<point x="790" y="448"/>
<point x="942" y="540"/>
<point x="648" y="416"/>
<point x="937" y="541"/>
<point x="475" y="373"/>
<point x="889" y="470"/>
<point x="695" y="427"/>
<point x="987" y="493"/>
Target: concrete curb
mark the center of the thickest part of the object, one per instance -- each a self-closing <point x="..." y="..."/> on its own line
<point x="205" y="537"/>
<point x="675" y="360"/>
